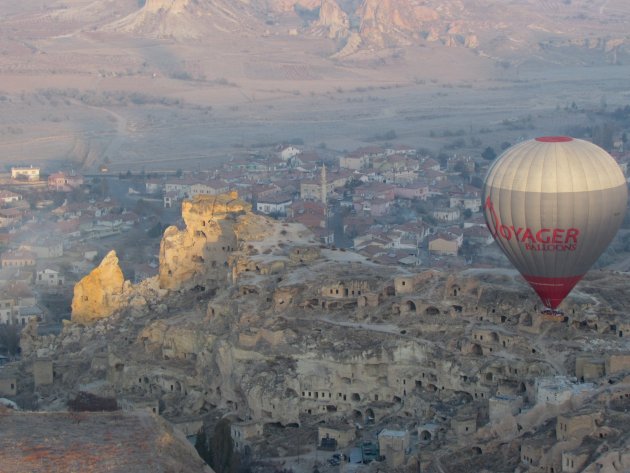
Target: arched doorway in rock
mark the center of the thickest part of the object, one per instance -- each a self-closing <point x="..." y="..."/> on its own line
<point x="432" y="310"/>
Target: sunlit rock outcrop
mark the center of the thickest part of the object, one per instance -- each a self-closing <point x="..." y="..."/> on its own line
<point x="198" y="255"/>
<point x="99" y="294"/>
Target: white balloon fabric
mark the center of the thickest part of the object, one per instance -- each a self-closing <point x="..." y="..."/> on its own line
<point x="553" y="204"/>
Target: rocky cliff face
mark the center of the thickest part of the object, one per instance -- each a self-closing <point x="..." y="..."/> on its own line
<point x="198" y="255"/>
<point x="476" y="24"/>
<point x="301" y="335"/>
<point x="99" y="294"/>
<point x="184" y="20"/>
<point x="383" y="20"/>
<point x="333" y="19"/>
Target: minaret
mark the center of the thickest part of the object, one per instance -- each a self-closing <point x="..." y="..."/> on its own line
<point x="324" y="194"/>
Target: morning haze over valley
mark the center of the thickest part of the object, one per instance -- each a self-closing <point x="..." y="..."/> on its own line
<point x="249" y="236"/>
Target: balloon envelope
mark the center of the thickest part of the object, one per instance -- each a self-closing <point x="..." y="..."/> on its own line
<point x="553" y="204"/>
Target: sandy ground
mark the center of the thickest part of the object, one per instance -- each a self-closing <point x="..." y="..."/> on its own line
<point x="71" y="97"/>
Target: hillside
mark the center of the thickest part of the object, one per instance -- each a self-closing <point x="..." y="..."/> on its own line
<point x="494" y="28"/>
<point x="289" y="340"/>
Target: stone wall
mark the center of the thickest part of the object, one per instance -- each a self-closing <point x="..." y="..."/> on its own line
<point x="8" y="386"/>
<point x="43" y="372"/>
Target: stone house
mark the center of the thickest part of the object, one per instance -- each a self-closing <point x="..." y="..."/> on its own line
<point x="29" y="173"/>
<point x="445" y="244"/>
<point x="26" y="313"/>
<point x="361" y="158"/>
<point x="8" y="386"/>
<point x="589" y="368"/>
<point x="6" y="196"/>
<point x="464" y="424"/>
<point x="63" y="182"/>
<point x="341" y="435"/>
<point x="393" y="445"/>
<point x="414" y="190"/>
<point x="574" y="460"/>
<point x="153" y="186"/>
<point x="8" y="308"/>
<point x="466" y="202"/>
<point x="556" y="390"/>
<point x="379" y="207"/>
<point x="312" y="190"/>
<point x="210" y="187"/>
<point x="478" y="235"/>
<point x="447" y="215"/>
<point x="501" y="406"/>
<point x="460" y="163"/>
<point x="617" y="363"/>
<point x="576" y="427"/>
<point x="408" y="284"/>
<point x="532" y="452"/>
<point x="404" y="284"/>
<point x="274" y="204"/>
<point x="17" y="259"/>
<point x="45" y="248"/>
<point x="354" y="162"/>
<point x="346" y="289"/>
<point x="169" y="198"/>
<point x="289" y="152"/>
<point x="243" y="432"/>
<point x="49" y="278"/>
<point x="140" y="404"/>
<point x="10" y="217"/>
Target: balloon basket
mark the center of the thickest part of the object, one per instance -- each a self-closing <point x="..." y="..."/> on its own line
<point x="553" y="315"/>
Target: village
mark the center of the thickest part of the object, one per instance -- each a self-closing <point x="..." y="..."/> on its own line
<point x="391" y="204"/>
<point x="394" y="204"/>
<point x="391" y="338"/>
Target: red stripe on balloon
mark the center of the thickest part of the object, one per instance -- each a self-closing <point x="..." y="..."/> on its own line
<point x="552" y="291"/>
<point x="554" y="139"/>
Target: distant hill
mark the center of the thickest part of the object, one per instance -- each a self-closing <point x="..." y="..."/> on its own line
<point x="501" y="29"/>
<point x="495" y="28"/>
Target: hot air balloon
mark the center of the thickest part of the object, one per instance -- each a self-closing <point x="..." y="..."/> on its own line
<point x="553" y="204"/>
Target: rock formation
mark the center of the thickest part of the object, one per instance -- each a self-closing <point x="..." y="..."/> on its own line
<point x="385" y="23"/>
<point x="99" y="294"/>
<point x="289" y="5"/>
<point x="186" y="19"/>
<point x="198" y="255"/>
<point x="386" y="20"/>
<point x="291" y="336"/>
<point x="94" y="442"/>
<point x="333" y="19"/>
